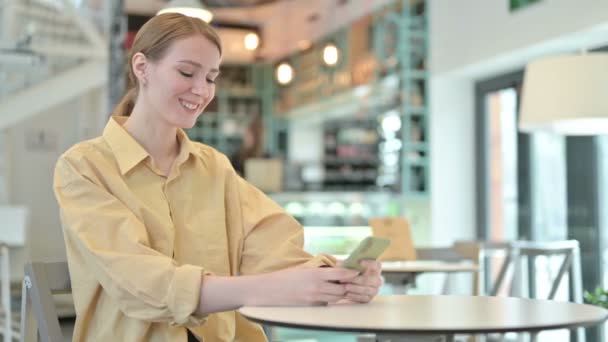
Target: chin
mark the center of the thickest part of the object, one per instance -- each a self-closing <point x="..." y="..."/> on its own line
<point x="186" y="124"/>
<point x="183" y="121"/>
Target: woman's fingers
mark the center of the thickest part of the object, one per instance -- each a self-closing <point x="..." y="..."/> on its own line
<point x="371" y="267"/>
<point x="332" y="289"/>
<point x="367" y="280"/>
<point x="361" y="290"/>
<point x="358" y="298"/>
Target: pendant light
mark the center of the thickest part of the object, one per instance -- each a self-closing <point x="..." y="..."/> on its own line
<point x="331" y="54"/>
<point x="251" y="41"/>
<point x="284" y="73"/>
<point x="191" y="8"/>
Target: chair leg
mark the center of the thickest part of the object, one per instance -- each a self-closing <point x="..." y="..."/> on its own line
<point x="577" y="287"/>
<point x="6" y="293"/>
<point x="29" y="332"/>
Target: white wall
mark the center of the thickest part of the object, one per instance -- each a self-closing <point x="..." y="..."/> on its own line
<point x="31" y="166"/>
<point x="468" y="32"/>
<point x="305" y="142"/>
<point x="452" y="160"/>
<point x="4" y="168"/>
<point x="477" y="39"/>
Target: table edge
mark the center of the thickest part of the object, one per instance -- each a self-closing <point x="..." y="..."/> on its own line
<point x="581" y="324"/>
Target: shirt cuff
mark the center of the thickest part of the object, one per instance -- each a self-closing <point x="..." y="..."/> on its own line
<point x="321" y="260"/>
<point x="184" y="296"/>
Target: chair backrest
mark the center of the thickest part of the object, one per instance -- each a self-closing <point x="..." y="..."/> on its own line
<point x="524" y="255"/>
<point x="513" y="254"/>
<point x="568" y="250"/>
<point x="446" y="254"/>
<point x="487" y="254"/>
<point x="397" y="230"/>
<point x="41" y="281"/>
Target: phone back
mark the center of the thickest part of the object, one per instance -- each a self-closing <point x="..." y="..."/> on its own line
<point x="369" y="249"/>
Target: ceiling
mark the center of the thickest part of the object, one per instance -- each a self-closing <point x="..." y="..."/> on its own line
<point x="285" y="24"/>
<point x="236" y="3"/>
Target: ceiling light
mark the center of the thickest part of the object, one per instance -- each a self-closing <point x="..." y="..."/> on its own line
<point x="330" y="54"/>
<point x="252" y="41"/>
<point x="284" y="73"/>
<point x="191" y="8"/>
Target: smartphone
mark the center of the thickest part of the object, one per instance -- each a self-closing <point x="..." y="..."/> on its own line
<point x="369" y="249"/>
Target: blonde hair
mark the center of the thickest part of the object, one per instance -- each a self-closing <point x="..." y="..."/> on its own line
<point x="153" y="40"/>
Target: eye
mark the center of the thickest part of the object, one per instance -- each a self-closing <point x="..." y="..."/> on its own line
<point x="210" y="81"/>
<point x="185" y="74"/>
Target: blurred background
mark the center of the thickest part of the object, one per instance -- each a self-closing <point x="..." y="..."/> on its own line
<point x="341" y="110"/>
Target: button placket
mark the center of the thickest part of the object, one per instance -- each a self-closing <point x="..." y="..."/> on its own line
<point x="171" y="217"/>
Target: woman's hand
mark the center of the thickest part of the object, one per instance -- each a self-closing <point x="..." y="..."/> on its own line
<point x="304" y="286"/>
<point x="314" y="286"/>
<point x="294" y="286"/>
<point x="365" y="286"/>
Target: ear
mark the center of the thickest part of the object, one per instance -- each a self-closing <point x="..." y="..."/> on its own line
<point x="139" y="64"/>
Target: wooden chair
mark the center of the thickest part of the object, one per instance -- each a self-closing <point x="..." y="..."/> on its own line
<point x="567" y="252"/>
<point x="396" y="229"/>
<point x="517" y="271"/>
<point x="41" y="281"/>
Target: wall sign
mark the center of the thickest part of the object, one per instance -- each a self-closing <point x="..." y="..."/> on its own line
<point x="518" y="4"/>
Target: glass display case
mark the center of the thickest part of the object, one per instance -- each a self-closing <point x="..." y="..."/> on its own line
<point x="335" y="222"/>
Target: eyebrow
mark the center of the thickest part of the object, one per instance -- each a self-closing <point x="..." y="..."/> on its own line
<point x="198" y="65"/>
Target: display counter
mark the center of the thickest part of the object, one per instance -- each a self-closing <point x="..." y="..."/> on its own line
<point x="335" y="222"/>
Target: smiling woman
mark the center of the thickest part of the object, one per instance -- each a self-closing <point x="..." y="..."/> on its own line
<point x="158" y="227"/>
<point x="151" y="44"/>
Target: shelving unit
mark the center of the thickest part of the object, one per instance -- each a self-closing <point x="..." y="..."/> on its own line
<point x="351" y="154"/>
<point x="239" y="98"/>
<point x="382" y="74"/>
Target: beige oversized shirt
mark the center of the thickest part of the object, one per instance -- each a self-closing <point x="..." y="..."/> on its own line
<point x="138" y="243"/>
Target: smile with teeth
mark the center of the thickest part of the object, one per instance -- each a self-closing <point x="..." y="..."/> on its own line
<point x="189" y="105"/>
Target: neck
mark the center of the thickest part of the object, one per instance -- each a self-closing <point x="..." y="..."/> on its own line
<point x="158" y="138"/>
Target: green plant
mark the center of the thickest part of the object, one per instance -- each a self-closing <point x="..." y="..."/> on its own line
<point x="599" y="297"/>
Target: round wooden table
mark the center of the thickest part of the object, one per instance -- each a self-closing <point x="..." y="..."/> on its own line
<point x="405" y="315"/>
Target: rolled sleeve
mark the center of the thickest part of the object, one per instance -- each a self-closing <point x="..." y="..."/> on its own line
<point x="321" y="260"/>
<point x="184" y="296"/>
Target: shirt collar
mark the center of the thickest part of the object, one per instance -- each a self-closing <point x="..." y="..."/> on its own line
<point x="186" y="147"/>
<point x="129" y="152"/>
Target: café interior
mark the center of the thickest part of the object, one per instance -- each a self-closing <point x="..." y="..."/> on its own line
<point x="470" y="133"/>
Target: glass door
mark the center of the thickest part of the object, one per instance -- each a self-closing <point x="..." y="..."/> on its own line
<point x="501" y="114"/>
<point x="521" y="178"/>
<point x="521" y="182"/>
<point x="503" y="192"/>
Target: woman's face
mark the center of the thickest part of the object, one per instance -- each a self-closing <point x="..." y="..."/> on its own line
<point x="180" y="85"/>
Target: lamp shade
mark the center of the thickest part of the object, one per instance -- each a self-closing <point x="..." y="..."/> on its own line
<point x="566" y="94"/>
<point x="191" y="8"/>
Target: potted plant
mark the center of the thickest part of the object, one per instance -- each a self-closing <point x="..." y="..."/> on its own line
<point x="599" y="297"/>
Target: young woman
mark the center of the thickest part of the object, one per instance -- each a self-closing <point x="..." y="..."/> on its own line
<point x="164" y="240"/>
